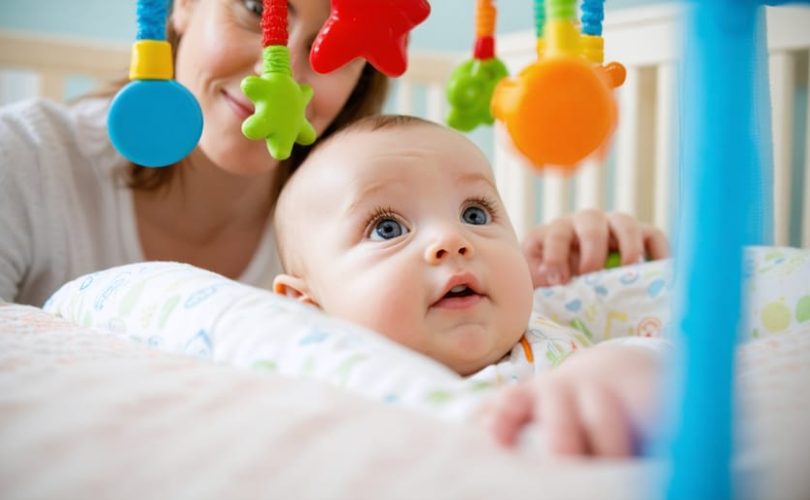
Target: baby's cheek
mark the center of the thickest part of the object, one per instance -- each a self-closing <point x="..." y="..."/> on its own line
<point x="396" y="313"/>
<point x="379" y="305"/>
<point x="518" y="289"/>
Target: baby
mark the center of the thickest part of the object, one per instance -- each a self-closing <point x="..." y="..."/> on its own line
<point x="395" y="223"/>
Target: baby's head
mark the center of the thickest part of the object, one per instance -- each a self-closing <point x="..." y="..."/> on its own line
<point x="395" y="224"/>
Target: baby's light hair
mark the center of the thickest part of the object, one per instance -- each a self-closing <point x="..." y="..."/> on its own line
<point x="366" y="124"/>
<point x="378" y="122"/>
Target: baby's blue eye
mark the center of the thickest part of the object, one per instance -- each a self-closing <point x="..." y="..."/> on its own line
<point x="387" y="229"/>
<point x="476" y="216"/>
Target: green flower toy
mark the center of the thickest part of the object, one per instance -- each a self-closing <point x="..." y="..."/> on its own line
<point x="470" y="89"/>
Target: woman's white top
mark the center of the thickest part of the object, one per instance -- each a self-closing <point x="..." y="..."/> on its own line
<point x="65" y="209"/>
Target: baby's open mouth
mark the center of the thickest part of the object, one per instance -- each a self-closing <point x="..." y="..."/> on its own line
<point x="459" y="291"/>
<point x="459" y="297"/>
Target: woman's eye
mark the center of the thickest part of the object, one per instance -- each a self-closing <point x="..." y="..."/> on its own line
<point x="254" y="6"/>
<point x="387" y="229"/>
<point x="476" y="215"/>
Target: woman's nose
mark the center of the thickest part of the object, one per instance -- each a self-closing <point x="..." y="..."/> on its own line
<point x="447" y="246"/>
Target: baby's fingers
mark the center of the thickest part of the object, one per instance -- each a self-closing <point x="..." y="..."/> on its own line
<point x="605" y="425"/>
<point x="557" y="243"/>
<point x="655" y="242"/>
<point x="560" y="419"/>
<point x="593" y="233"/>
<point x="628" y="234"/>
<point x="507" y="415"/>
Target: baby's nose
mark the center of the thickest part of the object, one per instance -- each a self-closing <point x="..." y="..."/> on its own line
<point x="446" y="247"/>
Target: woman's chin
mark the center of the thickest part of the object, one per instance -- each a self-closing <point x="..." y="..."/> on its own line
<point x="250" y="168"/>
<point x="239" y="156"/>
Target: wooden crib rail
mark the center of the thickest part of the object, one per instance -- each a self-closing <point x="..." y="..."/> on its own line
<point x="53" y="60"/>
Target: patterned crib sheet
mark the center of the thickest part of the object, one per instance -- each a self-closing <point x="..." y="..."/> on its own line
<point x="635" y="300"/>
<point x="182" y="309"/>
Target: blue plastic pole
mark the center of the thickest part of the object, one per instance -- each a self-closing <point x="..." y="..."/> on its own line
<point x="720" y="167"/>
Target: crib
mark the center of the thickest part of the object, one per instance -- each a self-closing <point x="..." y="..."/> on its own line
<point x="126" y="395"/>
<point x="636" y="177"/>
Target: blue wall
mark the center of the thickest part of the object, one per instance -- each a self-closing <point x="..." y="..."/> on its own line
<point x="450" y="26"/>
<point x="103" y="19"/>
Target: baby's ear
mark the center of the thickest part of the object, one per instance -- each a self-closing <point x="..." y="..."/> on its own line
<point x="295" y="288"/>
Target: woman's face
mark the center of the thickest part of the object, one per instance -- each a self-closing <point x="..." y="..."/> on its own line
<point x="221" y="43"/>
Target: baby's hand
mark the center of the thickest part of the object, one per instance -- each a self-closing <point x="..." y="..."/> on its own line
<point x="596" y="403"/>
<point x="580" y="243"/>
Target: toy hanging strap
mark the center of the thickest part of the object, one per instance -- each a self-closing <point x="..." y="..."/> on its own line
<point x="539" y="18"/>
<point x="151" y="16"/>
<point x="281" y="102"/>
<point x="485" y="15"/>
<point x="593" y="46"/>
<point x="593" y="13"/>
<point x="274" y="24"/>
<point x="153" y="121"/>
<point x="561" y="35"/>
<point x="470" y="88"/>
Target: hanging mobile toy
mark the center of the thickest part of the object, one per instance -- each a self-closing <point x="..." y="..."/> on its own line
<point x="560" y="110"/>
<point x="153" y="121"/>
<point x="473" y="82"/>
<point x="281" y="102"/>
<point x="376" y="30"/>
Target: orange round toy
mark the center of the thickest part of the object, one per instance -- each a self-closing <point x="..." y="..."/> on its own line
<point x="558" y="111"/>
<point x="561" y="110"/>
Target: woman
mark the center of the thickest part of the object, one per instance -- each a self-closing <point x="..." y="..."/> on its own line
<point x="70" y="204"/>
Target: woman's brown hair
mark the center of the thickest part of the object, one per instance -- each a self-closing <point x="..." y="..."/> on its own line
<point x="366" y="99"/>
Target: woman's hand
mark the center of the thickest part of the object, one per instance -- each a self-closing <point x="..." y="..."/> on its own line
<point x="600" y="402"/>
<point x="579" y="244"/>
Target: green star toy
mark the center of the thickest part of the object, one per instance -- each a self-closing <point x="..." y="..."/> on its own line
<point x="281" y="103"/>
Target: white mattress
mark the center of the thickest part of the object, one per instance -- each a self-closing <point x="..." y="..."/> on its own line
<point x="89" y="415"/>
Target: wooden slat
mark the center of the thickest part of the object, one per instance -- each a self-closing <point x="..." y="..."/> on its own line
<point x="555" y="196"/>
<point x="63" y="55"/>
<point x="782" y="79"/>
<point x="628" y="161"/>
<point x="664" y="109"/>
<point x="429" y="68"/>
<point x="515" y="183"/>
<point x="590" y="185"/>
<point x="435" y="101"/>
<point x="52" y="85"/>
<point x="788" y="27"/>
<point x="404" y="102"/>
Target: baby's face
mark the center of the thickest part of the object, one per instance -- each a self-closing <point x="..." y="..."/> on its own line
<point x="402" y="230"/>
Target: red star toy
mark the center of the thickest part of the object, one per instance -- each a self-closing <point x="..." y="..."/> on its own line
<point x="376" y="30"/>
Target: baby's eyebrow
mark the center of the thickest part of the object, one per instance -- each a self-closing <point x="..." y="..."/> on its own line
<point x="475" y="178"/>
<point x="359" y="198"/>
